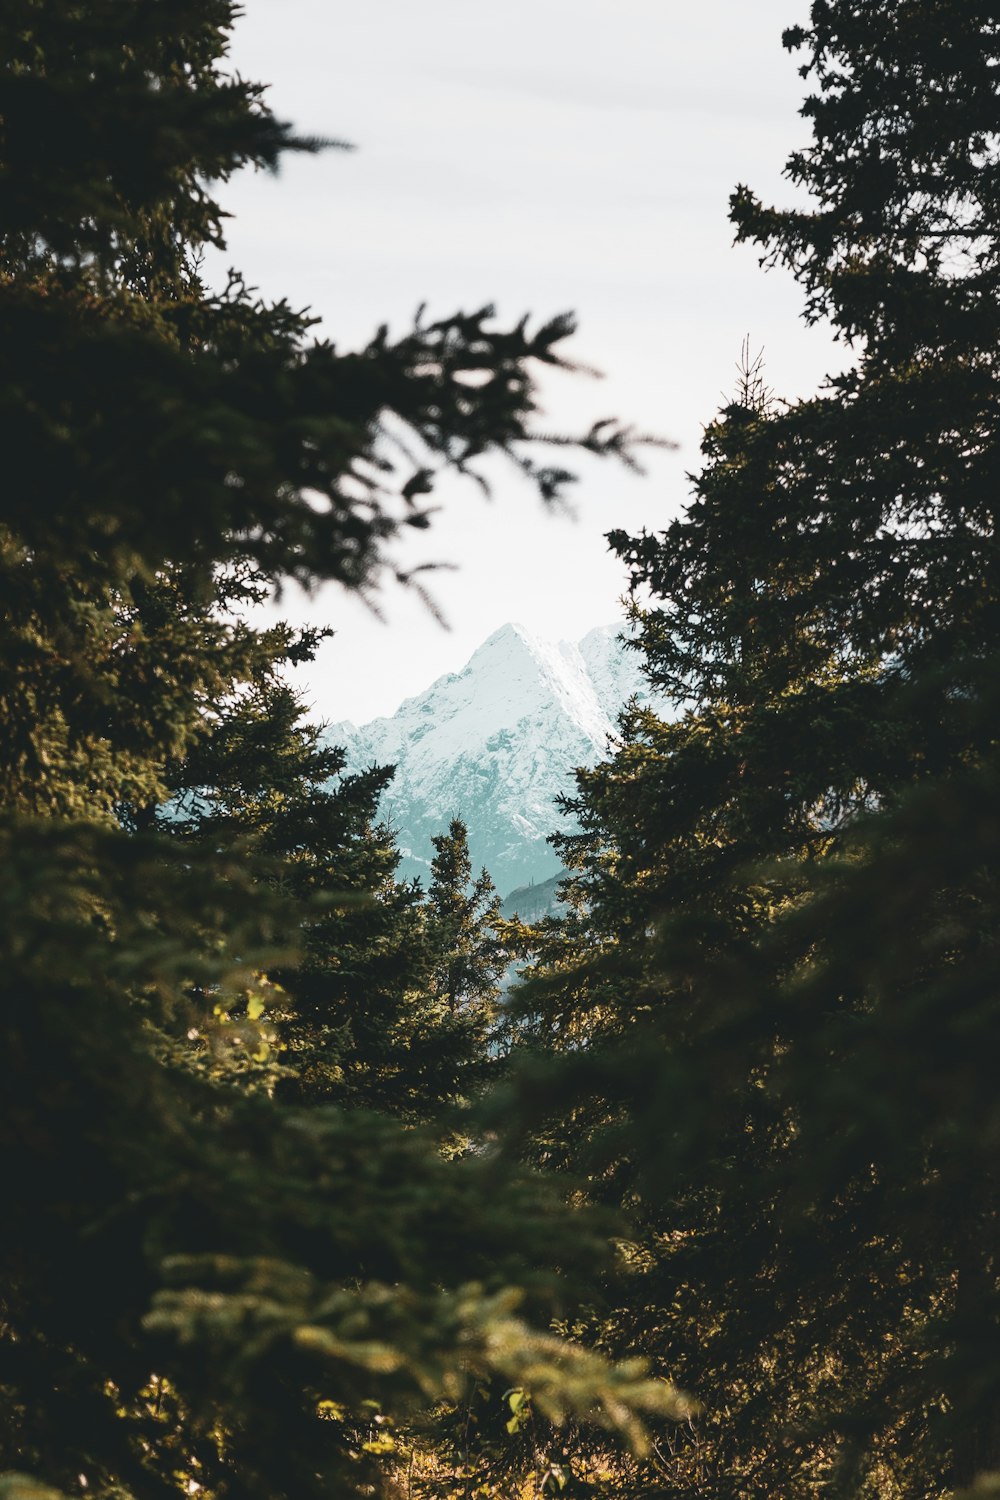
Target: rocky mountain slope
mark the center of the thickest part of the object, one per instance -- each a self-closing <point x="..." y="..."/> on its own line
<point x="495" y="744"/>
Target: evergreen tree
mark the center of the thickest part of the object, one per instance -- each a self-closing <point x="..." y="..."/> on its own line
<point x="469" y="961"/>
<point x="778" y="1005"/>
<point x="284" y="1268"/>
<point x="392" y="995"/>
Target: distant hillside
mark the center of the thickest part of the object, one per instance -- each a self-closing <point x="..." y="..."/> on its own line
<point x="533" y="902"/>
<point x="495" y="744"/>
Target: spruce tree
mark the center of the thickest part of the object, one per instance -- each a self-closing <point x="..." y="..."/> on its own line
<point x="468" y="962"/>
<point x="392" y="994"/>
<point x="204" y="1286"/>
<point x="779" y="1003"/>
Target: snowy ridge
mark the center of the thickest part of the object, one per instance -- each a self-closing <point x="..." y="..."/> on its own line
<point x="496" y="743"/>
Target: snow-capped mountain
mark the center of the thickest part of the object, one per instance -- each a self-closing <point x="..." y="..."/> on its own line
<point x="495" y="744"/>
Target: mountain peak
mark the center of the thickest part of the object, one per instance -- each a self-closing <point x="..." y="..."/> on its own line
<point x="495" y="744"/>
<point x="511" y="639"/>
<point x="512" y="631"/>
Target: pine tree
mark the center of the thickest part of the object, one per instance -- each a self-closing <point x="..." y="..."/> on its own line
<point x="778" y="1003"/>
<point x="203" y="1286"/>
<point x="469" y="961"/>
<point x="390" y="1000"/>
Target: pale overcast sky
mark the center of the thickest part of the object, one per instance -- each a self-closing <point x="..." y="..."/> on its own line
<point x="544" y="157"/>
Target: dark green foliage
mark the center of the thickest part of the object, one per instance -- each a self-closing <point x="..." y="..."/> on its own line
<point x="391" y="999"/>
<point x="775" y="1000"/>
<point x="210" y="1277"/>
<point x="468" y="959"/>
